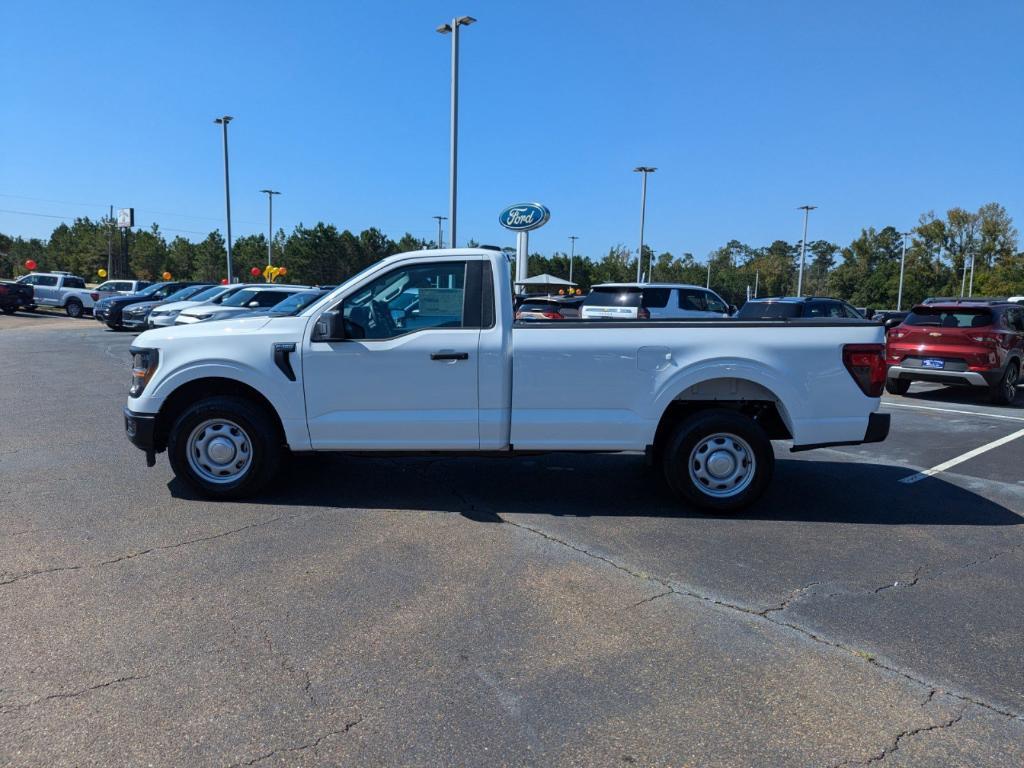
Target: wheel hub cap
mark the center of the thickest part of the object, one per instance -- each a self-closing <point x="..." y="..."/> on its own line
<point x="219" y="451"/>
<point x="722" y="465"/>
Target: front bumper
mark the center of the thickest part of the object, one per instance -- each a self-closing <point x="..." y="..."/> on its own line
<point x="134" y="321"/>
<point x="141" y="431"/>
<point x="939" y="376"/>
<point x="162" y="321"/>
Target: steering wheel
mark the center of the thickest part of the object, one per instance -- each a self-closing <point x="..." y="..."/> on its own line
<point x="383" y="320"/>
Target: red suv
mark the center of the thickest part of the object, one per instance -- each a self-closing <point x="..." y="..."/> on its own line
<point x="973" y="343"/>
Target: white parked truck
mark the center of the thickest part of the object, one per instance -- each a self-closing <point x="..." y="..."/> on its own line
<point x="59" y="289"/>
<point x="420" y="352"/>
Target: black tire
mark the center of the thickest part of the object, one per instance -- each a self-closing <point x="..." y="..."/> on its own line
<point x="258" y="430"/>
<point x="8" y="309"/>
<point x="897" y="386"/>
<point x="31" y="308"/>
<point x="74" y="308"/>
<point x="1005" y="392"/>
<point x="690" y="435"/>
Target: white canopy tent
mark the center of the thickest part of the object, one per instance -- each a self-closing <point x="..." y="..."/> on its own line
<point x="544" y="281"/>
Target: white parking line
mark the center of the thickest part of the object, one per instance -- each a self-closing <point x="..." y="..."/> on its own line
<point x="963" y="457"/>
<point x="952" y="410"/>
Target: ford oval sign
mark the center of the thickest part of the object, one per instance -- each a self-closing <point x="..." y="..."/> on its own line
<point x="524" y="217"/>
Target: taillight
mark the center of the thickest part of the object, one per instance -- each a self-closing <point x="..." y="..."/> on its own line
<point x="551" y="315"/>
<point x="866" y="364"/>
<point x="3" y="289"/>
<point x="95" y="296"/>
<point x="519" y="315"/>
<point x="643" y="314"/>
<point x="896" y="334"/>
<point x="984" y="338"/>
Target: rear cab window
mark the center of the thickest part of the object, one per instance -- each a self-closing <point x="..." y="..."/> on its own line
<point x="951" y="317"/>
<point x="768" y="310"/>
<point x="615" y="297"/>
<point x="656" y="298"/>
<point x="693" y="300"/>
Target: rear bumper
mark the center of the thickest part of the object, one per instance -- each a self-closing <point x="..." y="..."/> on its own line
<point x="877" y="431"/>
<point x="140" y="429"/>
<point x="968" y="378"/>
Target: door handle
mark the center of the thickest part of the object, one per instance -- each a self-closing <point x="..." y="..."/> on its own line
<point x="449" y="355"/>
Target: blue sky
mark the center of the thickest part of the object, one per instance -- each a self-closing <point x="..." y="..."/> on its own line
<point x="874" y="111"/>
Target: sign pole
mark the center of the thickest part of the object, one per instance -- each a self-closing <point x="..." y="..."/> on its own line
<point x="522" y="255"/>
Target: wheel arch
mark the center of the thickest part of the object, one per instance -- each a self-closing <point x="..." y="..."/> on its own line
<point x="735" y="393"/>
<point x="197" y="389"/>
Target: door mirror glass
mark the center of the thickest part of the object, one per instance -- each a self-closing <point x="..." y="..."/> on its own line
<point x="892" y="322"/>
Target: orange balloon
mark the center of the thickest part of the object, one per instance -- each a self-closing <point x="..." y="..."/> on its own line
<point x="166" y="275"/>
<point x="283" y="271"/>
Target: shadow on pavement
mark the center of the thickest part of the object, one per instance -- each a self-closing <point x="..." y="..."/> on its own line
<point x="977" y="396"/>
<point x="609" y="485"/>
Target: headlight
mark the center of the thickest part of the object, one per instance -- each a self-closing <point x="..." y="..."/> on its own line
<point x="137" y="310"/>
<point x="207" y="316"/>
<point x="144" y="362"/>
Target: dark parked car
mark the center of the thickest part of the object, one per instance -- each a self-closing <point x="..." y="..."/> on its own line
<point x="110" y="310"/>
<point x="14" y="296"/>
<point x="966" y="342"/>
<point x="796" y="308"/>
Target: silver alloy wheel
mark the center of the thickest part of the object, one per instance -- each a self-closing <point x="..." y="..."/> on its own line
<point x="219" y="451"/>
<point x="1010" y="382"/>
<point x="722" y="465"/>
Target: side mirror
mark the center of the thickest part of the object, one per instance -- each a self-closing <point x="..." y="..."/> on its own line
<point x="891" y="323"/>
<point x="732" y="310"/>
<point x="330" y="326"/>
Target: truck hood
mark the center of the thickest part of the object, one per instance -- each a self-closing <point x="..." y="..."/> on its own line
<point x="213" y="328"/>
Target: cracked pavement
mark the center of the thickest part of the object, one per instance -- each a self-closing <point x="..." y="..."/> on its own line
<point x="556" y="610"/>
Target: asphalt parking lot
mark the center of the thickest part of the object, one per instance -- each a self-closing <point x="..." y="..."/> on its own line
<point x="558" y="610"/>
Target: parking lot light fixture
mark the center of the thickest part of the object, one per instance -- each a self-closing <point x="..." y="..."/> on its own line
<point x="440" y="233"/>
<point x="803" y="250"/>
<point x="223" y="122"/>
<point x="903" y="262"/>
<point x="644" y="169"/>
<point x="572" y="254"/>
<point x="270" y="223"/>
<point x="452" y="28"/>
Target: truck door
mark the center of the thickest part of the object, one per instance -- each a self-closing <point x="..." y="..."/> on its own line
<point x="405" y="376"/>
<point x="46" y="289"/>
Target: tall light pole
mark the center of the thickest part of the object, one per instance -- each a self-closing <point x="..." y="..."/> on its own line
<point x="452" y="28"/>
<point x="903" y="263"/>
<point x="270" y="223"/>
<point x="440" y="241"/>
<point x="223" y="121"/>
<point x="803" y="250"/>
<point x="572" y="254"/>
<point x="644" y="169"/>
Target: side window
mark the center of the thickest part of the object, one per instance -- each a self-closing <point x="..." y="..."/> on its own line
<point x="74" y="282"/>
<point x="46" y="280"/>
<point x="656" y="298"/>
<point x="816" y="309"/>
<point x="409" y="299"/>
<point x="692" y="300"/>
<point x="715" y="304"/>
<point x="834" y="309"/>
<point x="851" y="312"/>
<point x="30" y="280"/>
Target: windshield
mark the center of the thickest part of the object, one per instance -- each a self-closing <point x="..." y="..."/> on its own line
<point x="614" y="297"/>
<point x="768" y="310"/>
<point x="297" y="302"/>
<point x="209" y="293"/>
<point x="960" y="317"/>
<point x="241" y="298"/>
<point x="184" y="293"/>
<point x="151" y="289"/>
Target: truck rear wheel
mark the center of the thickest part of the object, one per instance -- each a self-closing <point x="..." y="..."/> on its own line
<point x="718" y="460"/>
<point x="74" y="308"/>
<point x="224" y="447"/>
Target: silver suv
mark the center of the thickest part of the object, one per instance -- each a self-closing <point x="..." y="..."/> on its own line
<point x="652" y="301"/>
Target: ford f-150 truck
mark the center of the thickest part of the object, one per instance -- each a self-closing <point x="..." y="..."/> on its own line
<point x="365" y="369"/>
<point x="59" y="289"/>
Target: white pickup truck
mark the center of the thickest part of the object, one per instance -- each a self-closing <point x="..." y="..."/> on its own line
<point x="60" y="289"/>
<point x="420" y="353"/>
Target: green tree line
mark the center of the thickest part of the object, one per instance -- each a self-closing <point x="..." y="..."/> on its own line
<point x="939" y="258"/>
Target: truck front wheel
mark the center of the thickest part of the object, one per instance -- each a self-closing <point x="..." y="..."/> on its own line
<point x="718" y="460"/>
<point x="224" y="447"/>
<point x="74" y="308"/>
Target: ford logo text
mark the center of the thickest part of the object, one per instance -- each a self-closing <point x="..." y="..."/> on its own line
<point x="524" y="216"/>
